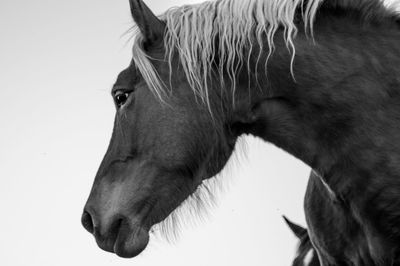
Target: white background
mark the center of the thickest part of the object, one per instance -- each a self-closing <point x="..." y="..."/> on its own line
<point x="58" y="61"/>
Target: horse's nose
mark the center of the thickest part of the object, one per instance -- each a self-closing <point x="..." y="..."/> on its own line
<point x="104" y="229"/>
<point x="87" y="222"/>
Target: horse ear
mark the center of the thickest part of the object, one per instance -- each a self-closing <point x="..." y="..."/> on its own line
<point x="296" y="229"/>
<point x="149" y="24"/>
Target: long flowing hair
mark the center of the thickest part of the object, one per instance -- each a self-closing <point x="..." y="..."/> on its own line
<point x="227" y="28"/>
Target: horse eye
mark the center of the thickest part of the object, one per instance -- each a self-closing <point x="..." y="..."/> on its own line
<point x="121" y="98"/>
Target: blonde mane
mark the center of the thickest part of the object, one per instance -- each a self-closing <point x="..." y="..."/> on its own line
<point x="226" y="28"/>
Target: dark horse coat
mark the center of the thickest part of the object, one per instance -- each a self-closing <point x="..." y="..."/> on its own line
<point x="317" y="78"/>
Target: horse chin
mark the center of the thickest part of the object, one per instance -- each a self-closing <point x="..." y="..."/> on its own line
<point x="131" y="242"/>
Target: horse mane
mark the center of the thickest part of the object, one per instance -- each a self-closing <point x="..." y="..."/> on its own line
<point x="197" y="33"/>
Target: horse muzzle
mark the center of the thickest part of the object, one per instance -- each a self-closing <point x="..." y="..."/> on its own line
<point x="118" y="235"/>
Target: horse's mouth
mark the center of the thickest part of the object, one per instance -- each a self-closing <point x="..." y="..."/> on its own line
<point x="127" y="241"/>
<point x="130" y="244"/>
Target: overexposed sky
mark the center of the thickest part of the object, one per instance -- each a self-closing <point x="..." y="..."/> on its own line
<point x="58" y="60"/>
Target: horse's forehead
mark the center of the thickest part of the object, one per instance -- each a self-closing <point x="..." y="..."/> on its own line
<point x="127" y="77"/>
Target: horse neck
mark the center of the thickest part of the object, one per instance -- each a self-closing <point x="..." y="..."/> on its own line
<point x="337" y="111"/>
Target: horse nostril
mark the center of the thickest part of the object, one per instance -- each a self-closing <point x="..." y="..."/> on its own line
<point x="87" y="222"/>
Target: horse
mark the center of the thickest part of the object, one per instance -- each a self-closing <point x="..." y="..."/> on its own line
<point x="317" y="78"/>
<point x="306" y="254"/>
